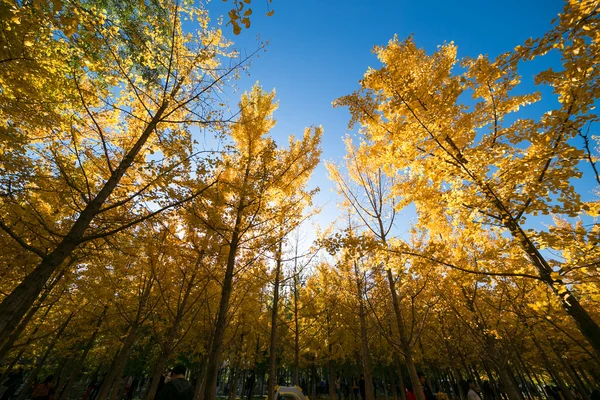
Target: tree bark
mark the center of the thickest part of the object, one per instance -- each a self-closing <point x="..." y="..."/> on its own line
<point x="331" y="371"/>
<point x="404" y="340"/>
<point x="392" y="383"/>
<point x="559" y="381"/>
<point x="274" y="316"/>
<point x="512" y="392"/>
<point x="582" y="391"/>
<point x="233" y="384"/>
<point x="458" y="378"/>
<point x="12" y="338"/>
<point x="22" y="351"/>
<point x="79" y="363"/>
<point x="491" y="378"/>
<point x="365" y="354"/>
<point x="120" y="359"/>
<point x="198" y="385"/>
<point x="296" y="323"/>
<point x="210" y="390"/>
<point x="167" y="348"/>
<point x="400" y="377"/>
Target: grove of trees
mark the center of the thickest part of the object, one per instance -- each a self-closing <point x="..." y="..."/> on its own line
<point x="143" y="224"/>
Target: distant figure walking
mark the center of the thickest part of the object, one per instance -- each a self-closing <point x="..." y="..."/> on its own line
<point x="178" y="387"/>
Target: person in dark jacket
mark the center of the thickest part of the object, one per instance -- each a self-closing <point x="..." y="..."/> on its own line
<point x="178" y="387"/>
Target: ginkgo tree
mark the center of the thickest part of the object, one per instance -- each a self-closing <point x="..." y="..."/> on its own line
<point x="260" y="187"/>
<point x="128" y="249"/>
<point x="100" y="119"/>
<point x="472" y="164"/>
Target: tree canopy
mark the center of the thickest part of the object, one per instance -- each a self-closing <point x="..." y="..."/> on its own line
<point x="130" y="245"/>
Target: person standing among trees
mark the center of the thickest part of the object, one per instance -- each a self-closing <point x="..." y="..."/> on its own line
<point x="178" y="388"/>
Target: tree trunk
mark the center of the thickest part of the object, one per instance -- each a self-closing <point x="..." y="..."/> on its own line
<point x="458" y="379"/>
<point x="525" y="386"/>
<point x="19" y="301"/>
<point x="22" y="351"/>
<point x="385" y="394"/>
<point x="525" y="370"/>
<point x="296" y="324"/>
<point x="392" y="383"/>
<point x="159" y="368"/>
<point x="313" y="374"/>
<point x="512" y="391"/>
<point x="365" y="354"/>
<point x="559" y="381"/>
<point x="540" y="384"/>
<point x="210" y="390"/>
<point x="476" y="375"/>
<point x="79" y="363"/>
<point x="582" y="391"/>
<point x="198" y="386"/>
<point x="7" y="346"/>
<point x="491" y="379"/>
<point x="412" y="370"/>
<point x="274" y="316"/>
<point x="118" y="388"/>
<point x="234" y="380"/>
<point x="332" y="394"/>
<point x="400" y="377"/>
<point x="167" y="348"/>
<point x="61" y="372"/>
<point x="119" y="360"/>
<point x="581" y="372"/>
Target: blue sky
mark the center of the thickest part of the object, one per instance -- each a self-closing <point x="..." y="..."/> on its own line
<point x="318" y="51"/>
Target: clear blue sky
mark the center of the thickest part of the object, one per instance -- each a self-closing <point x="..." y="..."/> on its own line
<point x="319" y="49"/>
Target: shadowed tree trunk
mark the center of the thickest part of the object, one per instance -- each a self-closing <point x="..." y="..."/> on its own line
<point x="79" y="363"/>
<point x="274" y="317"/>
<point x="365" y="354"/>
<point x="10" y="341"/>
<point x="210" y="389"/>
<point x="557" y="378"/>
<point x="400" y="377"/>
